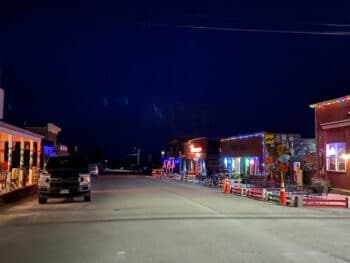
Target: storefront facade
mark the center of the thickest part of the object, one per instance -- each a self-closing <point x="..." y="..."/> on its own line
<point x="201" y="156"/>
<point x="174" y="154"/>
<point x="20" y="152"/>
<point x="243" y="155"/>
<point x="332" y="126"/>
<point x="50" y="148"/>
<point x="259" y="154"/>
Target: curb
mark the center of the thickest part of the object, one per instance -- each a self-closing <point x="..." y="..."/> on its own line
<point x="18" y="194"/>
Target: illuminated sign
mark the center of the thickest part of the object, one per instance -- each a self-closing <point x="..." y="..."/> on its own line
<point x="48" y="151"/>
<point x="195" y="149"/>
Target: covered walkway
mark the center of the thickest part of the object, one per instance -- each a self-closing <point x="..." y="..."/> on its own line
<point x="20" y="152"/>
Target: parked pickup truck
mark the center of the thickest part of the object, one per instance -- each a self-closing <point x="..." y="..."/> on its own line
<point x="64" y="176"/>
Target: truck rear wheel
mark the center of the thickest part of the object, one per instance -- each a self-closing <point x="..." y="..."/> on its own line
<point x="87" y="197"/>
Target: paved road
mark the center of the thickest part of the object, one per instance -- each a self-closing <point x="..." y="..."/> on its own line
<point x="137" y="219"/>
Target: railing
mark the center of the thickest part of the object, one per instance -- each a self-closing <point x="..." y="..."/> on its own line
<point x="326" y="202"/>
<point x="256" y="193"/>
<point x="18" y="178"/>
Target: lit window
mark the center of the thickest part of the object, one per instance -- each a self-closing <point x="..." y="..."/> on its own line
<point x="335" y="157"/>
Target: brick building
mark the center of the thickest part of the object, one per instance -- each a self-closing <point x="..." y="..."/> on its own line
<point x="332" y="126"/>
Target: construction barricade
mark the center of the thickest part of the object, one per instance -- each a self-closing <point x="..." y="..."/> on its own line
<point x="326" y="202"/>
<point x="275" y="196"/>
<point x="256" y="193"/>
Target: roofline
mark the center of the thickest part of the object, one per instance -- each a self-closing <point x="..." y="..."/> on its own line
<point x="195" y="139"/>
<point x="330" y="102"/>
<point x="6" y="127"/>
<point x="51" y="127"/>
<point x="255" y="134"/>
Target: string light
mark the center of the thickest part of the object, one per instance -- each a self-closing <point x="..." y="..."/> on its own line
<point x="330" y="102"/>
<point x="261" y="134"/>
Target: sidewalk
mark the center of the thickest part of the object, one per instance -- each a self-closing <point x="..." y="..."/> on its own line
<point x="17" y="194"/>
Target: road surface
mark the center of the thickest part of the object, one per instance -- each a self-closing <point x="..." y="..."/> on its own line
<point x="139" y="219"/>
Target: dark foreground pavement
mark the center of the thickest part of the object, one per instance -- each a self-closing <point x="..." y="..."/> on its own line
<point x="137" y="219"/>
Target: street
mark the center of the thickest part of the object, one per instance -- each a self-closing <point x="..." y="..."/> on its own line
<point x="140" y="219"/>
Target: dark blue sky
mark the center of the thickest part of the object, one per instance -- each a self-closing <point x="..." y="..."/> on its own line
<point x="119" y="75"/>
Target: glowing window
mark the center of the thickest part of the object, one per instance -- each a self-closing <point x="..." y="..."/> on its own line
<point x="335" y="153"/>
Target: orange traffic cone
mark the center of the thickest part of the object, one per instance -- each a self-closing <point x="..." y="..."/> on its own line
<point x="227" y="187"/>
<point x="283" y="199"/>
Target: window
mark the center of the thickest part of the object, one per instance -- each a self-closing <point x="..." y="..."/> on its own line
<point x="335" y="157"/>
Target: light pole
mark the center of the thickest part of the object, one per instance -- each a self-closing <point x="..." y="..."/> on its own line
<point x="138" y="157"/>
<point x="163" y="154"/>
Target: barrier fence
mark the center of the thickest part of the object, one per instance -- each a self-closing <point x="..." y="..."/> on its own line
<point x="259" y="190"/>
<point x="256" y="193"/>
<point x="326" y="202"/>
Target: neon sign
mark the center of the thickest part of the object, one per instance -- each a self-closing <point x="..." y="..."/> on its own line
<point x="195" y="149"/>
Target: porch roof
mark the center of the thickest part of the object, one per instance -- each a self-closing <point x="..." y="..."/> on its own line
<point x="17" y="131"/>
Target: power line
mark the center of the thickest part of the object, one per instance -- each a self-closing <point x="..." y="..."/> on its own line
<point x="254" y="30"/>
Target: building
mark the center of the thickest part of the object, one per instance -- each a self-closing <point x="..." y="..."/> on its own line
<point x="20" y="152"/>
<point x="332" y="127"/>
<point x="201" y="156"/>
<point x="50" y="147"/>
<point x="259" y="155"/>
<point x="172" y="157"/>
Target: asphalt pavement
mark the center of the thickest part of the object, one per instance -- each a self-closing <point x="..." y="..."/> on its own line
<point x="139" y="219"/>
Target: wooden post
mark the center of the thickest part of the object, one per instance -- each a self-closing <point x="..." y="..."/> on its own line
<point x="21" y="160"/>
<point x="31" y="153"/>
<point x="21" y="179"/>
<point x="2" y="150"/>
<point x="38" y="151"/>
<point x="31" y="160"/>
<point x="9" y="162"/>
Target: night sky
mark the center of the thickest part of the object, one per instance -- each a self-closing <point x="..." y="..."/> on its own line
<point x="123" y="75"/>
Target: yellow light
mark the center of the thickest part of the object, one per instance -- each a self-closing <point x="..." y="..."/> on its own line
<point x="195" y="149"/>
<point x="345" y="156"/>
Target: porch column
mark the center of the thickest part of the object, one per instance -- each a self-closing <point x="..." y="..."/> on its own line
<point x="2" y="153"/>
<point x="31" y="160"/>
<point x="31" y="153"/>
<point x="38" y="151"/>
<point x="9" y="162"/>
<point x="21" y="179"/>
<point x="2" y="150"/>
<point x="21" y="159"/>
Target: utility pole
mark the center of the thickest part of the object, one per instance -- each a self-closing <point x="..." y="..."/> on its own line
<point x="138" y="156"/>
